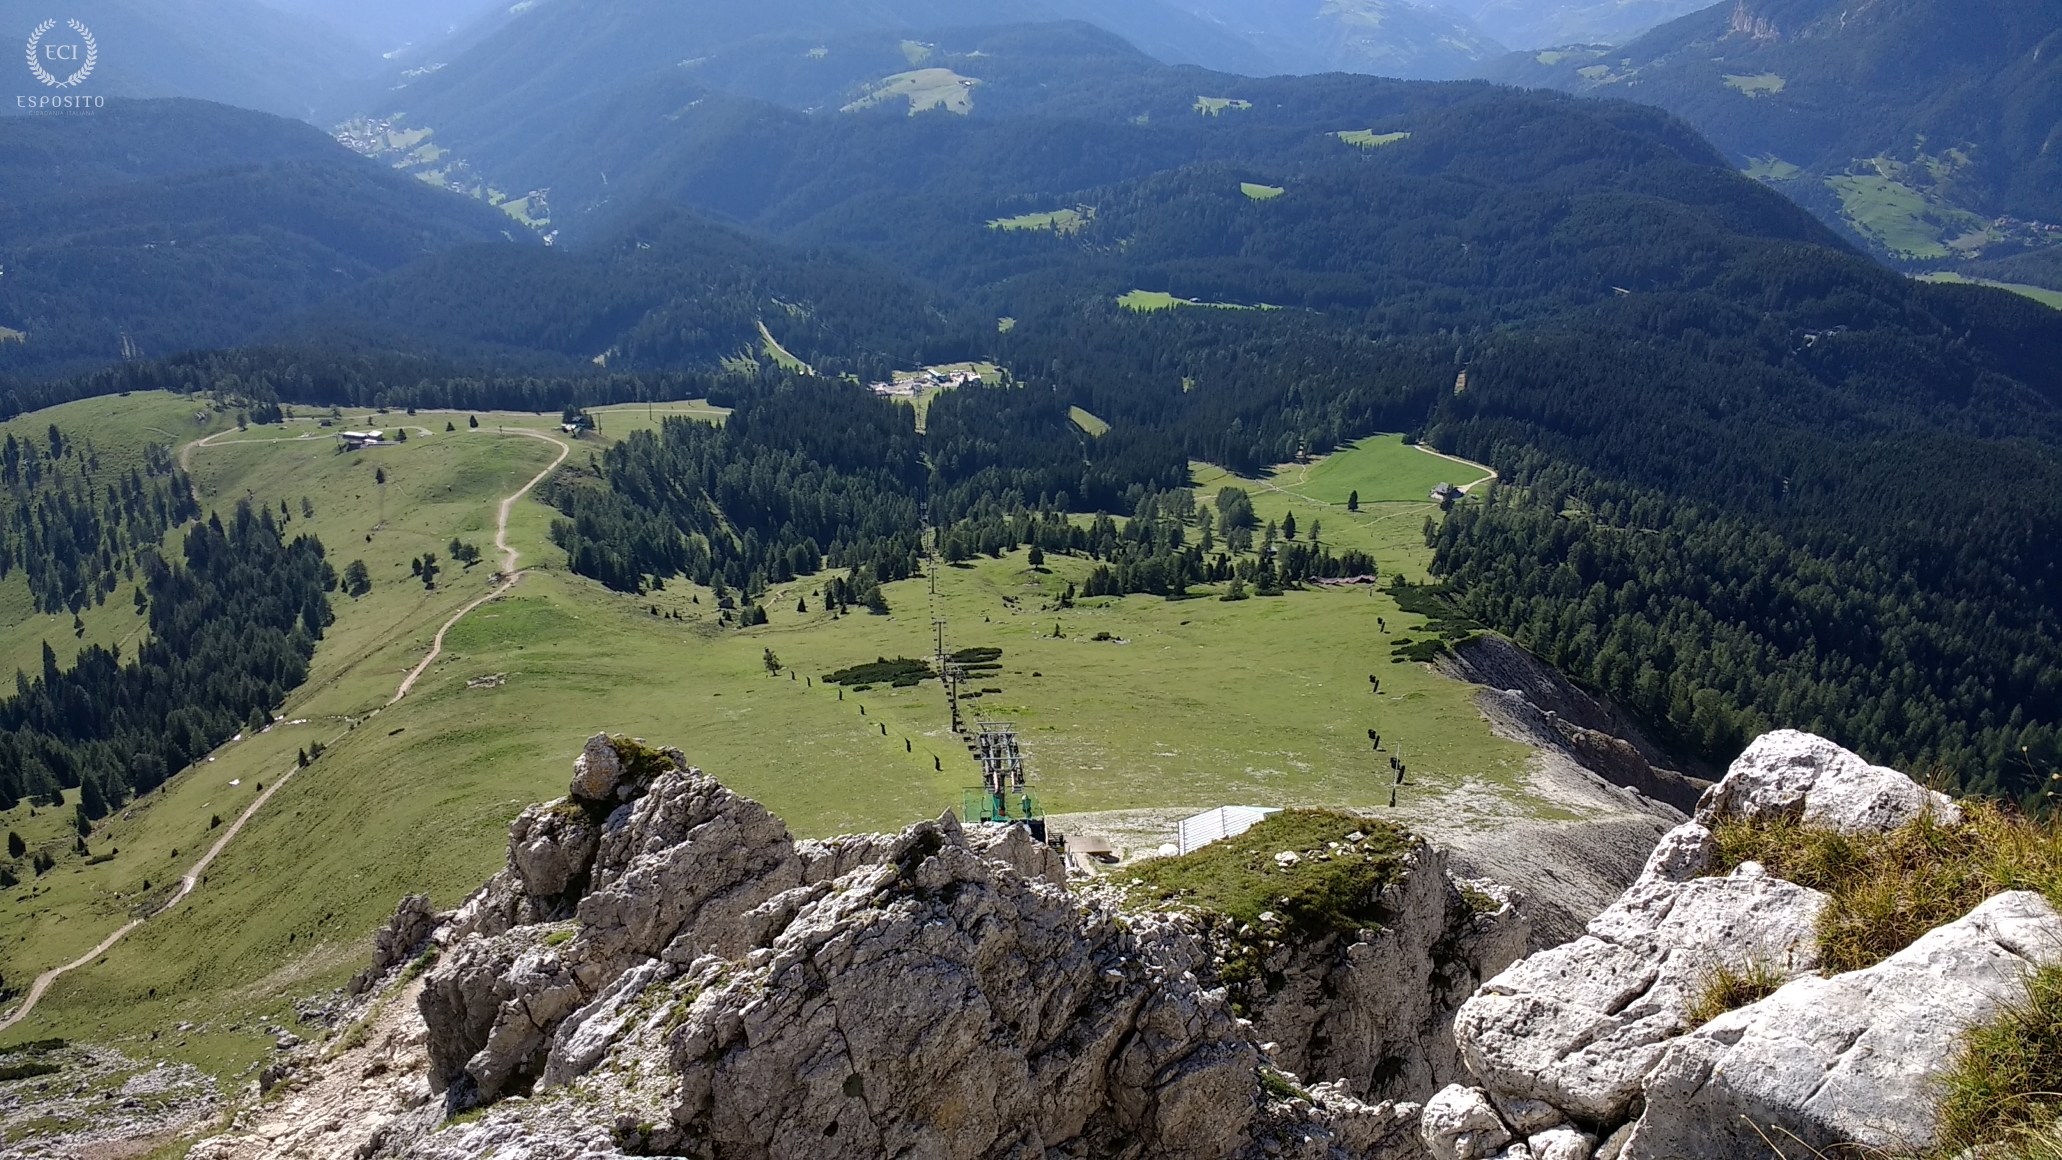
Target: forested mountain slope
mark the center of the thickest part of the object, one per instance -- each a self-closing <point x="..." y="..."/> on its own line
<point x="158" y="226"/>
<point x="389" y="26"/>
<point x="671" y="292"/>
<point x="1391" y="38"/>
<point x="1930" y="128"/>
<point x="238" y="52"/>
<point x="510" y="83"/>
<point x="1535" y="24"/>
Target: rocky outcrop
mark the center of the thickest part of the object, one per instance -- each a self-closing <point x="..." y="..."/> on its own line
<point x="1860" y="1052"/>
<point x="675" y="869"/>
<point x="1796" y="775"/>
<point x="661" y="968"/>
<point x="1598" y="1039"/>
<point x="1375" y="1009"/>
<point x="1592" y="731"/>
<point x="405" y="935"/>
<point x="1580" y="1026"/>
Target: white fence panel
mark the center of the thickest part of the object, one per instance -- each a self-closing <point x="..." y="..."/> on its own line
<point x="1222" y="822"/>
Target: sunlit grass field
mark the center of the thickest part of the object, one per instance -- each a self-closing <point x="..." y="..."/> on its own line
<point x="1181" y="705"/>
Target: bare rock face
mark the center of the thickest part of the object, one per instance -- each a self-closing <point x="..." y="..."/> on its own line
<point x="932" y="1000"/>
<point x="1461" y="1124"/>
<point x="1375" y="1009"/>
<point x="1846" y="1060"/>
<point x="661" y="969"/>
<point x="1596" y="1037"/>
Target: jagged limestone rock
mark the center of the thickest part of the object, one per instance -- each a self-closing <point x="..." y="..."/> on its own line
<point x="1684" y="853"/>
<point x="398" y="941"/>
<point x="677" y="872"/>
<point x="597" y="771"/>
<point x="1850" y="1060"/>
<point x="661" y="968"/>
<point x="1791" y="774"/>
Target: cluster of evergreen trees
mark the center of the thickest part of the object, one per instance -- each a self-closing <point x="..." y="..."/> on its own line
<point x="333" y="378"/>
<point x="74" y="529"/>
<point x="232" y="628"/>
<point x="1715" y="627"/>
<point x="803" y="475"/>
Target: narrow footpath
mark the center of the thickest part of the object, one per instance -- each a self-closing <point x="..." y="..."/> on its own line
<point x="189" y="880"/>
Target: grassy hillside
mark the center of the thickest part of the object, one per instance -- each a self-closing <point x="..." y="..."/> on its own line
<point x="1180" y="705"/>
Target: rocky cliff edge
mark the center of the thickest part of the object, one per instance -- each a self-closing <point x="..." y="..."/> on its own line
<point x="1606" y="1048"/>
<point x="661" y="969"/>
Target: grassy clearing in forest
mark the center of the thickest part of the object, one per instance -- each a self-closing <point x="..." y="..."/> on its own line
<point x="1770" y="167"/>
<point x="1148" y="301"/>
<point x="1258" y="192"/>
<point x="1088" y="422"/>
<point x="926" y="88"/>
<point x="1898" y="217"/>
<point x="1759" y="85"/>
<point x="2039" y="294"/>
<point x="779" y="354"/>
<point x="1137" y="702"/>
<point x="1383" y="469"/>
<point x="1063" y="222"/>
<point x="1215" y="106"/>
<point x="1369" y="139"/>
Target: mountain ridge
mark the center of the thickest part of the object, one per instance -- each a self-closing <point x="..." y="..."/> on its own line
<point x="1928" y="130"/>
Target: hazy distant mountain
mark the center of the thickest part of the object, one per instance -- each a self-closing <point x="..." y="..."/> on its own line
<point x="153" y="227"/>
<point x="389" y="26"/>
<point x="1928" y="128"/>
<point x="560" y="50"/>
<point x="1546" y="23"/>
<point x="1382" y="37"/>
<point x="234" y="51"/>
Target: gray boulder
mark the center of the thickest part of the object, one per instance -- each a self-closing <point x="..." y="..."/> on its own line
<point x="597" y="771"/>
<point x="1850" y="1060"/>
<point x="1801" y="776"/>
<point x="1461" y="1124"/>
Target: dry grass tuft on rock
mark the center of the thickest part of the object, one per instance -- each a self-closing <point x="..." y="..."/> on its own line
<point x="1888" y="889"/>
<point x="1729" y="988"/>
<point x="2003" y="1094"/>
<point x="1319" y="870"/>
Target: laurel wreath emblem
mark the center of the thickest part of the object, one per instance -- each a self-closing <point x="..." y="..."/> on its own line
<point x="85" y="68"/>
